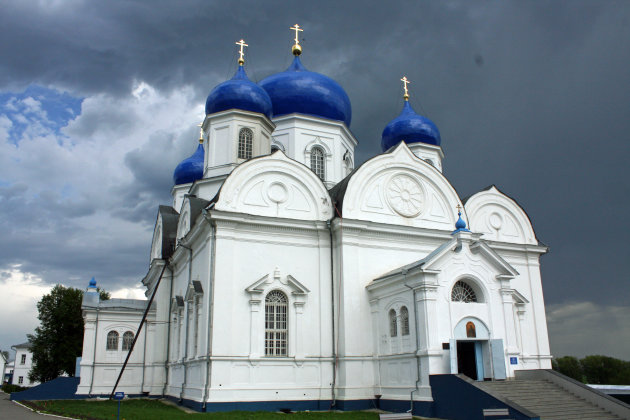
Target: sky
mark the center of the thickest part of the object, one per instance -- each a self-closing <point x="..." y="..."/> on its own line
<point x="99" y="101"/>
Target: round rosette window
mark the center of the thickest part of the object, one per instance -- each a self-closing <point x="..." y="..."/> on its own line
<point x="405" y="195"/>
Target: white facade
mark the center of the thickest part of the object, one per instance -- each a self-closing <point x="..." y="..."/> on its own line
<point x="22" y="365"/>
<point x="277" y="284"/>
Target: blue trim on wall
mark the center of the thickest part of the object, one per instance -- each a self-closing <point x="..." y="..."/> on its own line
<point x="455" y="398"/>
<point x="421" y="408"/>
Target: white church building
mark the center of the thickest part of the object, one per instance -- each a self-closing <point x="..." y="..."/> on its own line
<point x="284" y="276"/>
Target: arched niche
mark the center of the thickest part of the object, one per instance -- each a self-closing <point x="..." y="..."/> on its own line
<point x="499" y="218"/>
<point x="399" y="188"/>
<point x="275" y="186"/>
<point x="462" y="329"/>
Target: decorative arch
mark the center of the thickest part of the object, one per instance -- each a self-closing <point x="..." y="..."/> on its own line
<point x="275" y="186"/>
<point x="499" y="217"/>
<point x="465" y="284"/>
<point x="466" y="324"/>
<point x="399" y="188"/>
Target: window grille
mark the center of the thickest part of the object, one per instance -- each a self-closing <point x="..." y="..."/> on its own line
<point x="276" y="324"/>
<point x="21" y="380"/>
<point x="393" y="327"/>
<point x="112" y="340"/>
<point x="127" y="340"/>
<point x="23" y="359"/>
<point x="317" y="163"/>
<point x="462" y="292"/>
<point x="404" y="320"/>
<point x="245" y="140"/>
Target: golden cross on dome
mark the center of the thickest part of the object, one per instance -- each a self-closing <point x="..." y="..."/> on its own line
<point x="297" y="29"/>
<point x="405" y="82"/>
<point x="296" y="50"/>
<point x="200" y="125"/>
<point x="459" y="208"/>
<point x="242" y="43"/>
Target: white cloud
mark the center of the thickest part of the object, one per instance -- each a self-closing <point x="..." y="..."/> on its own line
<point x="20" y="293"/>
<point x="82" y="203"/>
<point x="584" y="328"/>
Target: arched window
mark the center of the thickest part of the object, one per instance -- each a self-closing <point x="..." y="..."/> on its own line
<point x="276" y="324"/>
<point x="317" y="162"/>
<point x="462" y="292"/>
<point x="112" y="340"/>
<point x="393" y="327"/>
<point x="127" y="341"/>
<point x="404" y="320"/>
<point x="471" y="331"/>
<point x="245" y="137"/>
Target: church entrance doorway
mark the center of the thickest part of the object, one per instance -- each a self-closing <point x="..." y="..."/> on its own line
<point x="466" y="359"/>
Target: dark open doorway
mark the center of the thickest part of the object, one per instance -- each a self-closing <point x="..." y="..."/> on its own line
<point x="466" y="361"/>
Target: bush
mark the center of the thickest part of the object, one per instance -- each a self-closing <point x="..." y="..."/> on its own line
<point x="9" y="388"/>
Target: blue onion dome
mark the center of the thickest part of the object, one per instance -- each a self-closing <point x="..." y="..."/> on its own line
<point x="460" y="224"/>
<point x="298" y="90"/>
<point x="92" y="283"/>
<point x="239" y="93"/>
<point x="190" y="169"/>
<point x="410" y="128"/>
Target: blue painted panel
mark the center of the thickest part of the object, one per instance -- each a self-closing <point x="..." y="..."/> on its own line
<point x="514" y="360"/>
<point x="498" y="359"/>
<point x="455" y="398"/>
<point x="479" y="361"/>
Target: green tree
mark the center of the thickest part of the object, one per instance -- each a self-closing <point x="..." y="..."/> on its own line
<point x="569" y="366"/>
<point x="58" y="340"/>
<point x="606" y="370"/>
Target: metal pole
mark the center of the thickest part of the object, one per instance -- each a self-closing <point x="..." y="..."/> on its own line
<point x="135" y="338"/>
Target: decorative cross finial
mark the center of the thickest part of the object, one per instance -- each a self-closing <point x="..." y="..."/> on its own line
<point x="297" y="50"/>
<point x="459" y="209"/>
<point x="242" y="44"/>
<point x="405" y="82"/>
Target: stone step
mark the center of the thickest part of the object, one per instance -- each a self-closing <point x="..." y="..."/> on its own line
<point x="547" y="399"/>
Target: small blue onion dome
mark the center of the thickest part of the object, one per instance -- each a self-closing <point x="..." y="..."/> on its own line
<point x="298" y="90"/>
<point x="190" y="169"/>
<point x="239" y="93"/>
<point x="92" y="283"/>
<point x="410" y="128"/>
<point x="460" y="224"/>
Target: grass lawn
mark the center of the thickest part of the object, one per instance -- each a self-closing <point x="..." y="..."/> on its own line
<point x="138" y="409"/>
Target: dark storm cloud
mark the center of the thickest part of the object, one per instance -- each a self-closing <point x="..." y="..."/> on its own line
<point x="531" y="96"/>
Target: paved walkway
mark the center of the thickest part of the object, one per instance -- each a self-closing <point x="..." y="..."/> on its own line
<point x="11" y="411"/>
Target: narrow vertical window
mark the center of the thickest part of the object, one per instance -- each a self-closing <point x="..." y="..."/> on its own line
<point x="245" y="140"/>
<point x="112" y="340"/>
<point x="317" y="162"/>
<point x="23" y="359"/>
<point x="196" y="333"/>
<point x="404" y="320"/>
<point x="393" y="326"/>
<point x="127" y="341"/>
<point x="276" y="324"/>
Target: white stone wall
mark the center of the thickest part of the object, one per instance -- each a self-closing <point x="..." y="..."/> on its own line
<point x="22" y="369"/>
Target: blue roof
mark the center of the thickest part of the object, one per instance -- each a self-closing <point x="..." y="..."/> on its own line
<point x="298" y="90"/>
<point x="93" y="282"/>
<point x="190" y="169"/>
<point x="239" y="93"/>
<point x="410" y="128"/>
